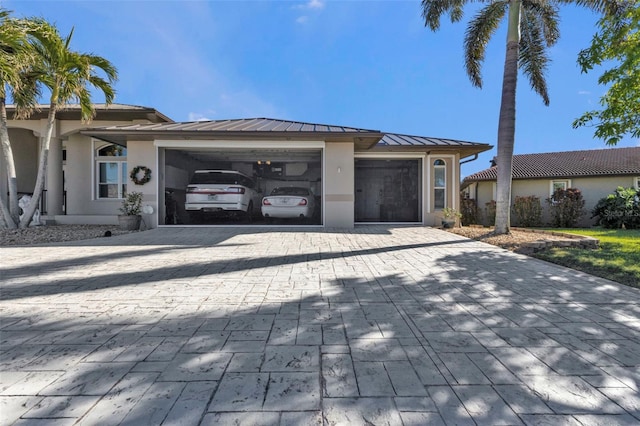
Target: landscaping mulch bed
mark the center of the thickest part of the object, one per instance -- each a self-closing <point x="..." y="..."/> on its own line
<point x="56" y="233"/>
<point x="523" y="241"/>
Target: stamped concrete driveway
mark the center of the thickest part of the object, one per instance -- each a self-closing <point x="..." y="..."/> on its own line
<point x="378" y="326"/>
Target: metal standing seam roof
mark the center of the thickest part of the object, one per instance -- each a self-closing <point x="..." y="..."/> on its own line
<point x="268" y="125"/>
<point x="69" y="111"/>
<point x="395" y="139"/>
<point x="586" y="163"/>
<point x="240" y="125"/>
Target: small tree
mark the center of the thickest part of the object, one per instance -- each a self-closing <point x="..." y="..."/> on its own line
<point x="490" y="212"/>
<point x="567" y="206"/>
<point x="528" y="210"/>
<point x="616" y="45"/>
<point x="619" y="210"/>
<point x="469" y="210"/>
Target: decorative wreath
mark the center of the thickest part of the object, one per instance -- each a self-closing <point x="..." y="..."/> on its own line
<point x="145" y="178"/>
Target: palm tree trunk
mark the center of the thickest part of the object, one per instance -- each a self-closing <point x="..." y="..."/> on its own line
<point x="507" y="123"/>
<point x="10" y="214"/>
<point x="42" y="168"/>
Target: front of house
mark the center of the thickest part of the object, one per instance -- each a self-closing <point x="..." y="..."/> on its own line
<point x="358" y="175"/>
<point x="596" y="173"/>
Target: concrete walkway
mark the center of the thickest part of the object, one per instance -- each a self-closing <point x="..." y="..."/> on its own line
<point x="378" y="326"/>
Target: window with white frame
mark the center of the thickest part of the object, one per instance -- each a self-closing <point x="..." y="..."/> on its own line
<point x="558" y="184"/>
<point x="637" y="183"/>
<point x="110" y="170"/>
<point x="439" y="184"/>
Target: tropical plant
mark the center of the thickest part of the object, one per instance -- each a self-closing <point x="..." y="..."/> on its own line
<point x="566" y="207"/>
<point x="132" y="204"/>
<point x="528" y="210"/>
<point x="619" y="210"/>
<point x="67" y="75"/>
<point x="15" y="59"/>
<point x="451" y="213"/>
<point x="616" y="43"/>
<point x="490" y="212"/>
<point x="469" y="210"/>
<point x="532" y="27"/>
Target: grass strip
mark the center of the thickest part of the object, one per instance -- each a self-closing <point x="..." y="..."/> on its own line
<point x="617" y="259"/>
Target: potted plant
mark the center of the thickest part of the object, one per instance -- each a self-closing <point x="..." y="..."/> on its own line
<point x="450" y="217"/>
<point x="130" y="218"/>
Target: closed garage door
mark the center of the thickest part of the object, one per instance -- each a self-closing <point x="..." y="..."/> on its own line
<point x="388" y="190"/>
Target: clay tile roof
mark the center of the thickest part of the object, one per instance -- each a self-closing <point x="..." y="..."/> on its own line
<point x="597" y="162"/>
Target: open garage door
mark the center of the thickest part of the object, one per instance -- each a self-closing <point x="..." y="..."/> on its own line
<point x="229" y="186"/>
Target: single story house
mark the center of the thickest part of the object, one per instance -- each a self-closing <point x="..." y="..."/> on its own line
<point x="358" y="175"/>
<point x="596" y="173"/>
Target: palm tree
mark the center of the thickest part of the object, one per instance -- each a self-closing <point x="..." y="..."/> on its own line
<point x="15" y="59"/>
<point x="67" y="75"/>
<point x="532" y="27"/>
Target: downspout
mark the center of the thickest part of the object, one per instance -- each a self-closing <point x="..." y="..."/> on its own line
<point x="475" y="187"/>
<point x="475" y="157"/>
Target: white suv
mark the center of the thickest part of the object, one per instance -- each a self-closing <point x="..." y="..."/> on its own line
<point x="221" y="192"/>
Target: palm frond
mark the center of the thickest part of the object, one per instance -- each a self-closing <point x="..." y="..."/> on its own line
<point x="533" y="58"/>
<point x="548" y="17"/>
<point x="477" y="36"/>
<point x="432" y="11"/>
<point x="610" y="7"/>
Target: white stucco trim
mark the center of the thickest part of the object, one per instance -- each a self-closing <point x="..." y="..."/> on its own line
<point x="452" y="185"/>
<point x="239" y="144"/>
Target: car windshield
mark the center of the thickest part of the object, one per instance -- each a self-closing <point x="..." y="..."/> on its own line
<point x="290" y="191"/>
<point x="217" y="178"/>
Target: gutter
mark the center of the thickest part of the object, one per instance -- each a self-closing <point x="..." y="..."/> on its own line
<point x="475" y="157"/>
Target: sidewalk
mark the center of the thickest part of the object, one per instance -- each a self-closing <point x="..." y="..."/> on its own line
<point x="380" y="325"/>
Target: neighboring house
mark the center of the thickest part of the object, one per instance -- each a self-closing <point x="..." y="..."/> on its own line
<point x="596" y="173"/>
<point x="359" y="175"/>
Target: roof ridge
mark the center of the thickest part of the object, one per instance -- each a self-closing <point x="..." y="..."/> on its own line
<point x="280" y="120"/>
<point x="578" y="151"/>
<point x="567" y="164"/>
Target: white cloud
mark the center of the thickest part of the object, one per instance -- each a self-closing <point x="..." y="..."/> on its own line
<point x="302" y="19"/>
<point x="311" y="4"/>
<point x="196" y="116"/>
<point x="245" y="103"/>
<point x="584" y="92"/>
<point x="315" y="4"/>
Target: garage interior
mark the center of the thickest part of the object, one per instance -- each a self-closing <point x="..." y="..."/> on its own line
<point x="270" y="168"/>
<point x="388" y="190"/>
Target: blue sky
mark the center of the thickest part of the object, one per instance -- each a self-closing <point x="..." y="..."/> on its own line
<point x="368" y="64"/>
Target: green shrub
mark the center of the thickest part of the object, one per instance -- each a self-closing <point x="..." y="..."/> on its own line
<point x="619" y="210"/>
<point x="469" y="210"/>
<point x="566" y="207"/>
<point x="490" y="212"/>
<point x="528" y="211"/>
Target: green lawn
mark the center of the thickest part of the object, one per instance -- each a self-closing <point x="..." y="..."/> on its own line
<point x="618" y="258"/>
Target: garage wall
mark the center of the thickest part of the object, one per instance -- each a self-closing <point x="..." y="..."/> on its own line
<point x="338" y="185"/>
<point x="143" y="153"/>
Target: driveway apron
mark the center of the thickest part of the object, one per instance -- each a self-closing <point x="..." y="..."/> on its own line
<point x="379" y="325"/>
